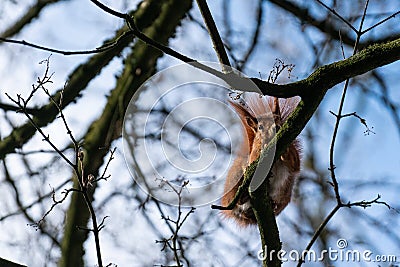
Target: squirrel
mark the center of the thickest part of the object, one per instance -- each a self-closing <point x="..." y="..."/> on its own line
<point x="261" y="116"/>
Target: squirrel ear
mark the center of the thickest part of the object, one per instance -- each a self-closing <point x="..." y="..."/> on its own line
<point x="276" y="110"/>
<point x="240" y="109"/>
<point x="244" y="114"/>
<point x="252" y="123"/>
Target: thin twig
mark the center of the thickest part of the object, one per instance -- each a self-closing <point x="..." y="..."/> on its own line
<point x="108" y="9"/>
<point x="18" y="201"/>
<point x="78" y="166"/>
<point x="56" y="202"/>
<point x="21" y="102"/>
<point x="174" y="241"/>
<point x="103" y="176"/>
<point x="381" y="22"/>
<point x="338" y="15"/>
<point x="362" y="121"/>
<point x="318" y="232"/>
<point x="101" y="49"/>
<point x="38" y="200"/>
<point x="339" y="116"/>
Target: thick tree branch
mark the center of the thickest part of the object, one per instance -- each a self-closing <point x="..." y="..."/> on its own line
<point x="7" y="263"/>
<point x="264" y="212"/>
<point x="321" y="80"/>
<point x="327" y="76"/>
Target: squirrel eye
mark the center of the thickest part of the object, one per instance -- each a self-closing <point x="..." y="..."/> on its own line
<point x="260" y="127"/>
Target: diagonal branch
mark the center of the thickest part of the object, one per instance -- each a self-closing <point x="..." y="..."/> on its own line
<point x="327" y="76"/>
<point x="333" y="11"/>
<point x="254" y="41"/>
<point x="78" y="80"/>
<point x="104" y="48"/>
<point x="32" y="13"/>
<point x="323" y="25"/>
<point x="214" y="34"/>
<point x="330" y="29"/>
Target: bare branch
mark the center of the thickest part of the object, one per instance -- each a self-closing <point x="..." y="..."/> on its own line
<point x="362" y="121"/>
<point x="24" y="211"/>
<point x="173" y="242"/>
<point x="8" y="107"/>
<point x="338" y="15"/>
<point x="214" y="34"/>
<point x="33" y="12"/>
<point x="104" y="48"/>
<point x="55" y="203"/>
<point x="254" y="41"/>
<point x="381" y="22"/>
<point x="103" y="176"/>
<point x="108" y="9"/>
<point x="318" y="232"/>
<point x="21" y="103"/>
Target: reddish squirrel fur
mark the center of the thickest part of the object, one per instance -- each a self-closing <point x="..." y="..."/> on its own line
<point x="261" y="117"/>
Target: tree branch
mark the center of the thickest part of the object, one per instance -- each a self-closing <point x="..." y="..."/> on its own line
<point x="325" y="26"/>
<point x="325" y="77"/>
<point x="32" y="13"/>
<point x="78" y="80"/>
<point x="107" y="127"/>
<point x="8" y="107"/>
<point x="254" y="41"/>
<point x="104" y="48"/>
<point x="214" y="34"/>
